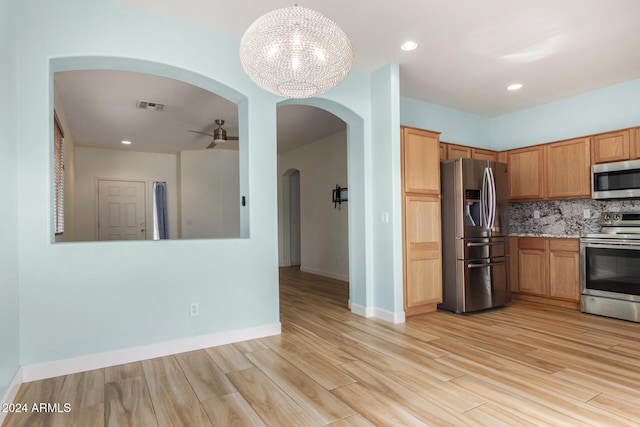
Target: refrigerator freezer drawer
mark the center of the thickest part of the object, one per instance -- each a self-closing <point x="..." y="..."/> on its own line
<point x="481" y="248"/>
<point x="484" y="284"/>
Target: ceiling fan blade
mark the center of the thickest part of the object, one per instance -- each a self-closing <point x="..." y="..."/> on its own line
<point x="202" y="133"/>
<point x="212" y="145"/>
<point x="232" y="138"/>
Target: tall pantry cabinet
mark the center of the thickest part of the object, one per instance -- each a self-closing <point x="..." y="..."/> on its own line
<point x="422" y="243"/>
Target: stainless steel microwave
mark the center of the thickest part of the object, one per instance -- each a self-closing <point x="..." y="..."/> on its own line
<point x="619" y="180"/>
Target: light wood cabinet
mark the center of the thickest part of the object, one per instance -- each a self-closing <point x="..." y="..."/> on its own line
<point x="443" y="151"/>
<point x="501" y="156"/>
<point x="546" y="270"/>
<point x="568" y="169"/>
<point x="635" y="143"/>
<point x="532" y="266"/>
<point x="481" y="154"/>
<point x="422" y="242"/>
<point x="611" y="146"/>
<point x="454" y="151"/>
<point x="423" y="262"/>
<point x="526" y="173"/>
<point x="420" y="161"/>
<point x="564" y="269"/>
<point x="513" y="264"/>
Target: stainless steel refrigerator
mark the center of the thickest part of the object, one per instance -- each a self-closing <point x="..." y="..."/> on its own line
<point x="474" y="235"/>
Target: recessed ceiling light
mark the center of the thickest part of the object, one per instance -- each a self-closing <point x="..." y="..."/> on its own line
<point x="126" y="142"/>
<point x="408" y="45"/>
<point x="514" y="86"/>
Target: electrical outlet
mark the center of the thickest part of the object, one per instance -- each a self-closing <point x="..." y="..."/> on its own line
<point x="586" y="213"/>
<point x="194" y="309"/>
<point x="536" y="214"/>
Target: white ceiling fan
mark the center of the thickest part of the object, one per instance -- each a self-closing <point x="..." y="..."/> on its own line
<point x="219" y="135"/>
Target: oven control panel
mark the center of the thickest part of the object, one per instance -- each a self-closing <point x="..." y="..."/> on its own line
<point x="620" y="219"/>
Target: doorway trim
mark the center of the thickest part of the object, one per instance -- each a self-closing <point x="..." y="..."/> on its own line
<point x="289" y="257"/>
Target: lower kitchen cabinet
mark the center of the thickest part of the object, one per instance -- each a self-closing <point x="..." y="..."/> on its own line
<point x="564" y="269"/>
<point x="548" y="270"/>
<point x="532" y="266"/>
<point x="423" y="254"/>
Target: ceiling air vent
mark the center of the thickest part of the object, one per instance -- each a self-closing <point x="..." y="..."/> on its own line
<point x="153" y="106"/>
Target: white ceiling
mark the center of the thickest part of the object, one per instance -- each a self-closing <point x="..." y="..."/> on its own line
<point x="469" y="50"/>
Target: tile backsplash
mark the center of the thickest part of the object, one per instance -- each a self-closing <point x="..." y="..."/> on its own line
<point x="563" y="218"/>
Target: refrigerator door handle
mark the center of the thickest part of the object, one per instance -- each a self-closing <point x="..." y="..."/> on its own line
<point x="483" y="201"/>
<point x="473" y="245"/>
<point x="488" y="264"/>
<point x="492" y="199"/>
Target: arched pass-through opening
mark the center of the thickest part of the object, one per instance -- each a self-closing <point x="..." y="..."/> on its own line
<point x="170" y="144"/>
<point x="354" y="210"/>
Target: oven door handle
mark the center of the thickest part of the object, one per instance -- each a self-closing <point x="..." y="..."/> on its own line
<point x="611" y="244"/>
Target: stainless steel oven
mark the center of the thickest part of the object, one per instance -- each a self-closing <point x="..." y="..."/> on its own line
<point x="610" y="267"/>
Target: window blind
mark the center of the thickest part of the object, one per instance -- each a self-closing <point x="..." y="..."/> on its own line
<point x="58" y="171"/>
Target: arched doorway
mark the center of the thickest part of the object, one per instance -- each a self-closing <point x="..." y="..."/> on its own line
<point x="360" y="252"/>
<point x="309" y="169"/>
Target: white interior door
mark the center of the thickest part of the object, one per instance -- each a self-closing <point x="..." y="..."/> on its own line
<point x="121" y="210"/>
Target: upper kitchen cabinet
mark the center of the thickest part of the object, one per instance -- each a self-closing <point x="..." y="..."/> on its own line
<point x="454" y="151"/>
<point x="480" y="154"/>
<point x="526" y="173"/>
<point x="635" y="143"/>
<point x="611" y="146"/>
<point x="568" y="169"/>
<point x="420" y="161"/>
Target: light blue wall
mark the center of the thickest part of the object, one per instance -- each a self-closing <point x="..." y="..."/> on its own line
<point x="83" y="298"/>
<point x="455" y="126"/>
<point x="387" y="261"/>
<point x="610" y="108"/>
<point x="9" y="301"/>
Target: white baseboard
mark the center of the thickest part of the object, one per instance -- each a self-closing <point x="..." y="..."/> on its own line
<point x="387" y="316"/>
<point x="361" y="310"/>
<point x="118" y="357"/>
<point x="325" y="273"/>
<point x="11" y="393"/>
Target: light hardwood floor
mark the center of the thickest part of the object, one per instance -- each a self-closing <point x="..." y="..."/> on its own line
<point x="526" y="364"/>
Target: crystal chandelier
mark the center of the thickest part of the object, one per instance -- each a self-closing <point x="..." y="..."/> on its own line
<point x="295" y="52"/>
